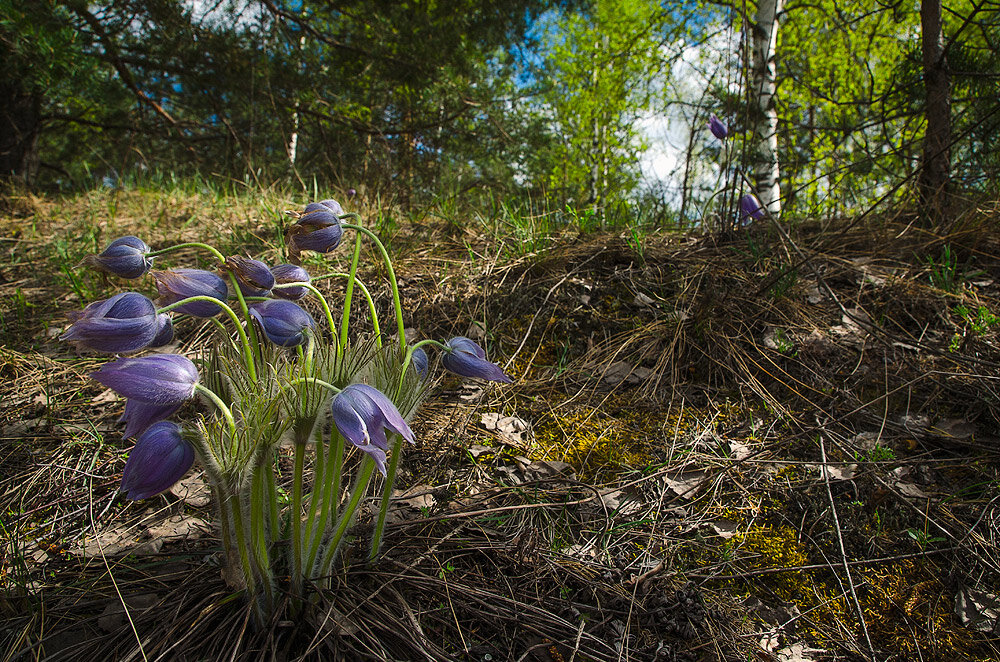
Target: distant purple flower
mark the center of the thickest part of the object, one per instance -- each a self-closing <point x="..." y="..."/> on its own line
<point x="284" y="323"/>
<point x="140" y="415"/>
<point x="252" y="274"/>
<point x="289" y="273"/>
<point x="318" y="229"/>
<point x="351" y="193"/>
<point x="179" y="284"/>
<point x="750" y="209"/>
<point x="123" y="324"/>
<point x="161" y="379"/>
<point x="125" y="257"/>
<point x="160" y="458"/>
<point x="468" y="359"/>
<point x="718" y="129"/>
<point x="420" y="362"/>
<point x="361" y="413"/>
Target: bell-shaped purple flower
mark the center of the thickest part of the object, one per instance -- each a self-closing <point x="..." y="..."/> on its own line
<point x="123" y="324"/>
<point x="140" y="415"/>
<point x="254" y="277"/>
<point x="289" y="273"/>
<point x="420" y="362"/>
<point x="717" y="127"/>
<point x="160" y="458"/>
<point x="468" y="359"/>
<point x="161" y="379"/>
<point x="284" y="323"/>
<point x="318" y="229"/>
<point x="362" y="413"/>
<point x="750" y="209"/>
<point x="179" y="284"/>
<point x="125" y="257"/>
<point x="351" y="193"/>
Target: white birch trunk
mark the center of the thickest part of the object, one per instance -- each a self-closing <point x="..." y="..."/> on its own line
<point x="765" y="38"/>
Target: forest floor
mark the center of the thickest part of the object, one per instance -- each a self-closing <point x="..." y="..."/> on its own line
<point x="769" y="446"/>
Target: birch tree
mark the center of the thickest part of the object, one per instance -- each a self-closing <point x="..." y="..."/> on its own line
<point x="764" y="39"/>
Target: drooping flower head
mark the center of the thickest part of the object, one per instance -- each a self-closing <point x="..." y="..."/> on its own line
<point x="750" y="209"/>
<point x="179" y="284"/>
<point x="468" y="359"/>
<point x="420" y="362"/>
<point x="717" y="127"/>
<point x="362" y="413"/>
<point x="125" y="257"/>
<point x="123" y="324"/>
<point x="289" y="273"/>
<point x="318" y="228"/>
<point x="161" y="379"/>
<point x="253" y="276"/>
<point x="351" y="193"/>
<point x="140" y="415"/>
<point x="284" y="323"/>
<point x="160" y="458"/>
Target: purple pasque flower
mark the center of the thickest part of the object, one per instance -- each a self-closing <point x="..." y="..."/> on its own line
<point x="160" y="379"/>
<point x="717" y="127"/>
<point x="160" y="458"/>
<point x="253" y="276"/>
<point x="140" y="415"/>
<point x="420" y="362"/>
<point x="468" y="359"/>
<point x="124" y="257"/>
<point x="351" y="193"/>
<point x="318" y="228"/>
<point x="750" y="209"/>
<point x="362" y="413"/>
<point x="165" y="335"/>
<point x="178" y="284"/>
<point x="284" y="323"/>
<point x="123" y="324"/>
<point x="289" y="273"/>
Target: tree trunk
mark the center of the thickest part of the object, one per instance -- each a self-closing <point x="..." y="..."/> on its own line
<point x="20" y="126"/>
<point x="765" y="39"/>
<point x="935" y="172"/>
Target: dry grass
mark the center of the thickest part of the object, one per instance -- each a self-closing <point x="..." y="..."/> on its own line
<point x="769" y="442"/>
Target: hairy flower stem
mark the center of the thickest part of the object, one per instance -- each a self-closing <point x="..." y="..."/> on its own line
<point x="244" y="340"/>
<point x="391" y="274"/>
<point x="296" y="517"/>
<point x="372" y="311"/>
<point x="329" y="497"/>
<point x="348" y="294"/>
<point x="347" y="516"/>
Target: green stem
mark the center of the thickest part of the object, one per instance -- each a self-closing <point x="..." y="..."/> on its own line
<point x="392" y="281"/>
<point x="190" y="244"/>
<point x="348" y="294"/>
<point x="390" y="479"/>
<point x="328" y="498"/>
<point x="226" y="413"/>
<point x="296" y="515"/>
<point x="372" y="311"/>
<point x="247" y="350"/>
<point x="347" y="516"/>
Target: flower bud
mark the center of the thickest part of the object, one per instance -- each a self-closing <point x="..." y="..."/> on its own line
<point x="179" y="284"/>
<point x="157" y="379"/>
<point x="420" y="362"/>
<point x="123" y="324"/>
<point x="124" y="257"/>
<point x="284" y="323"/>
<point x="750" y="209"/>
<point x="160" y="458"/>
<point x="253" y="274"/>
<point x="718" y="129"/>
<point x="318" y="229"/>
<point x="289" y="273"/>
<point x="468" y="359"/>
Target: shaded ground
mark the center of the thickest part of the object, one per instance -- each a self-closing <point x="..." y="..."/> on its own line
<point x="765" y="446"/>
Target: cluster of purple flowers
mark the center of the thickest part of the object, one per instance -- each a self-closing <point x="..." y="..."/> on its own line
<point x="157" y="385"/>
<point x="750" y="207"/>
